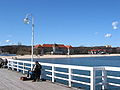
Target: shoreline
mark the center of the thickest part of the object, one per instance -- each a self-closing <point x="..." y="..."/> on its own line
<point x="56" y="56"/>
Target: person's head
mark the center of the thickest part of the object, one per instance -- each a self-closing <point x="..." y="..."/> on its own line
<point x="36" y="62"/>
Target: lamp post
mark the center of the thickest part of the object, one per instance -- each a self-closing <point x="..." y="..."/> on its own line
<point x="27" y="20"/>
<point x="68" y="49"/>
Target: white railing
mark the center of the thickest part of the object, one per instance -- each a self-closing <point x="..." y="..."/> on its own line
<point x="116" y="69"/>
<point x="22" y="65"/>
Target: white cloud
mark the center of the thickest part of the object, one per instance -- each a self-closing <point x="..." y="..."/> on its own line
<point x="115" y="24"/>
<point x="7" y="41"/>
<point x="108" y="35"/>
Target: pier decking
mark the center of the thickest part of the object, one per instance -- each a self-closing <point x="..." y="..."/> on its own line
<point x="9" y="80"/>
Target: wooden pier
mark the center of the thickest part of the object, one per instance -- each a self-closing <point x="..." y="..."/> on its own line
<point x="9" y="80"/>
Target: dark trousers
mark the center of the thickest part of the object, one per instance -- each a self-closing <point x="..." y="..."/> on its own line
<point x="37" y="76"/>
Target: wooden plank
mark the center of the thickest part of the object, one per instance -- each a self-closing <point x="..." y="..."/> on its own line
<point x="9" y="80"/>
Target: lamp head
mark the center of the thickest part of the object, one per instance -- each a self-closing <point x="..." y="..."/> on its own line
<point x="26" y="21"/>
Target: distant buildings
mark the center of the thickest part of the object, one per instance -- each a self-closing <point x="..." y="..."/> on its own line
<point x="61" y="49"/>
<point x="58" y="49"/>
<point x="53" y="49"/>
<point x="108" y="46"/>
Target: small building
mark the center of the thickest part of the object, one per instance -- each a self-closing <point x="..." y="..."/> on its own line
<point x="97" y="51"/>
<point x="54" y="48"/>
<point x="38" y="49"/>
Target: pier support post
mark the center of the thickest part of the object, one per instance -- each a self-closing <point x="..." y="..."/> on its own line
<point x="92" y="79"/>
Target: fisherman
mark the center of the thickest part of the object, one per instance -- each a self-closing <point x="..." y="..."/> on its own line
<point x="36" y="72"/>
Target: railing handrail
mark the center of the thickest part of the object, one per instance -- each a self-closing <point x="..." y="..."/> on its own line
<point x="108" y="68"/>
<point x="56" y="65"/>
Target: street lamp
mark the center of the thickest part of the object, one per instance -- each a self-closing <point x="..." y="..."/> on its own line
<point x="27" y="20"/>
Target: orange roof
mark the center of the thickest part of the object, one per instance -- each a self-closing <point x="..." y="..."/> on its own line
<point x="47" y="45"/>
<point x="51" y="45"/>
<point x="37" y="46"/>
<point x="68" y="46"/>
<point x="61" y="45"/>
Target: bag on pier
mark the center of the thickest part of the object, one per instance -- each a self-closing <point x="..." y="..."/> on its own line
<point x="23" y="78"/>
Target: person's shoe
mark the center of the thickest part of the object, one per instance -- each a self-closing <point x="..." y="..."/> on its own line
<point x="38" y="80"/>
<point x="33" y="81"/>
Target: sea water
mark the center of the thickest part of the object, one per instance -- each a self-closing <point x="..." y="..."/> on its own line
<point x="85" y="61"/>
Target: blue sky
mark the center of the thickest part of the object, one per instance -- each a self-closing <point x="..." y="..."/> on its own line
<point x="69" y="22"/>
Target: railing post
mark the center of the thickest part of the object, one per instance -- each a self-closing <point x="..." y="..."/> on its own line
<point x="12" y="65"/>
<point x="92" y="79"/>
<point x="31" y="66"/>
<point x="70" y="72"/>
<point x="8" y="64"/>
<point x="23" y="67"/>
<point x="17" y="66"/>
<point x="104" y="79"/>
<point x="53" y="69"/>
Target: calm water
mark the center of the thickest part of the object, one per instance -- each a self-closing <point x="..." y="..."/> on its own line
<point x="85" y="61"/>
<point x="88" y="61"/>
<point x="7" y="54"/>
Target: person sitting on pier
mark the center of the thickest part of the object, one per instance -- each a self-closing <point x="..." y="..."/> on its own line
<point x="5" y="63"/>
<point x="36" y="72"/>
<point x="1" y="62"/>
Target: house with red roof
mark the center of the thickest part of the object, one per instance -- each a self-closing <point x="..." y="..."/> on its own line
<point x="53" y="48"/>
<point x="38" y="49"/>
<point x="38" y="46"/>
<point x="97" y="51"/>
